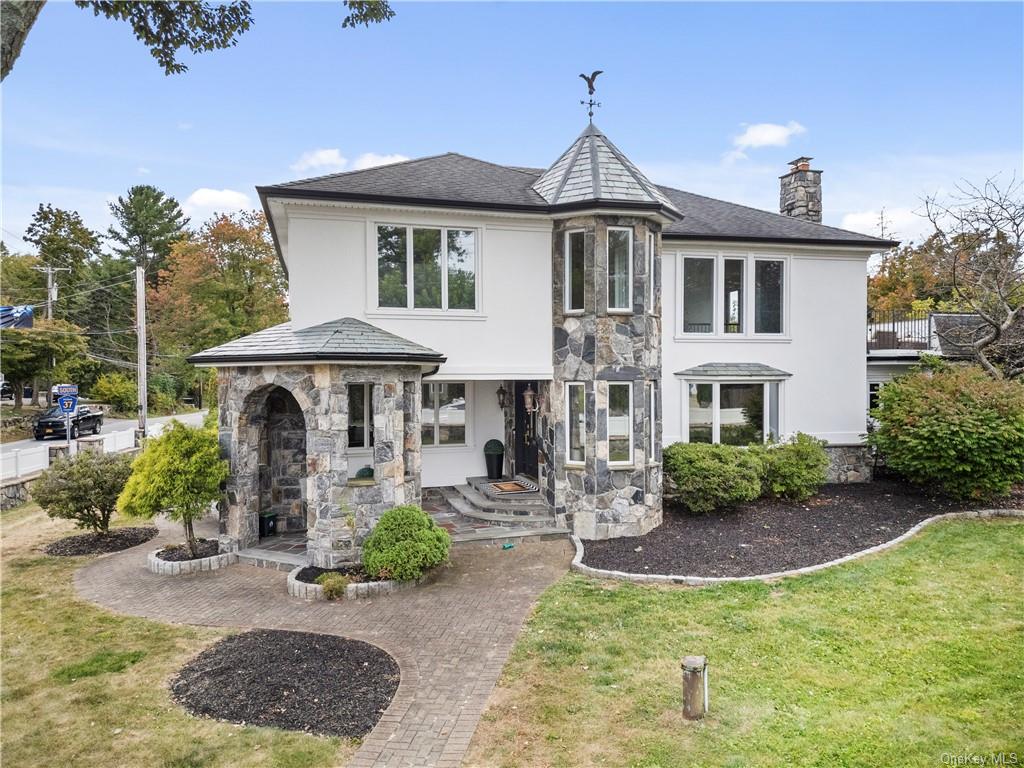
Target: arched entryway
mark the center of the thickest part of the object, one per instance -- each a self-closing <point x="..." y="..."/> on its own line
<point x="282" y="471"/>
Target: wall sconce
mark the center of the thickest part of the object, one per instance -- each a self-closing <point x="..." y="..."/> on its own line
<point x="529" y="399"/>
<point x="501" y="393"/>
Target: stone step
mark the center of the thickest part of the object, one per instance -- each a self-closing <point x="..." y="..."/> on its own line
<point x="263" y="558"/>
<point x="510" y="535"/>
<point x="465" y="506"/>
<point x="509" y="505"/>
<point x="483" y="486"/>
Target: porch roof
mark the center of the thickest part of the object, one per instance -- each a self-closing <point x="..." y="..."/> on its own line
<point x="733" y="371"/>
<point x="344" y="339"/>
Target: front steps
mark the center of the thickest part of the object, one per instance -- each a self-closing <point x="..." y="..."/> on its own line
<point x="500" y="518"/>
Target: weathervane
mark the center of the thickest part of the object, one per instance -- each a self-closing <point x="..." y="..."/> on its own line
<point x="590" y="103"/>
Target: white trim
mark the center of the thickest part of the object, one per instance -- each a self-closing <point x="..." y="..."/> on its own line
<point x="567" y="307"/>
<point x="468" y="411"/>
<point x="629" y="420"/>
<point x="650" y="392"/>
<point x="570" y="426"/>
<point x="651" y="297"/>
<point x="629" y="267"/>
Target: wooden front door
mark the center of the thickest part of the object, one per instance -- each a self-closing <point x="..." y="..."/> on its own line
<point x="525" y="433"/>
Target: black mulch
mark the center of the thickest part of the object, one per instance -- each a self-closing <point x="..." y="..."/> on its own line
<point x="310" y="572"/>
<point x="299" y="681"/>
<point x="767" y="536"/>
<point x="98" y="543"/>
<point x="177" y="553"/>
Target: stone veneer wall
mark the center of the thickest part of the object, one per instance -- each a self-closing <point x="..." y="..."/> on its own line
<point x="594" y="347"/>
<point x="337" y="511"/>
<point x="283" y="465"/>
<point x="849" y="464"/>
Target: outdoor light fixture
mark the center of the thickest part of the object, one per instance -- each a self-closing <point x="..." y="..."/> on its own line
<point x="529" y="399"/>
<point x="501" y="393"/>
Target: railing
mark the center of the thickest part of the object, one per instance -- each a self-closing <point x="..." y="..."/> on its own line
<point x="899" y="330"/>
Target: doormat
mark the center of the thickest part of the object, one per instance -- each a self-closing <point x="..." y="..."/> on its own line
<point x="514" y="486"/>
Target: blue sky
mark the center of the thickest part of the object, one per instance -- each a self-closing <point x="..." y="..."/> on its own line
<point x="894" y="101"/>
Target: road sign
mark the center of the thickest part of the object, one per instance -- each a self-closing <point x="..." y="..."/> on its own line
<point x="67" y="389"/>
<point x="67" y="403"/>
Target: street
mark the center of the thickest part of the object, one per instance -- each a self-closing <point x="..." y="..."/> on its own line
<point x="110" y="425"/>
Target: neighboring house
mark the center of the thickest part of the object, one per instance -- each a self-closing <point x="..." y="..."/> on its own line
<point x="582" y="314"/>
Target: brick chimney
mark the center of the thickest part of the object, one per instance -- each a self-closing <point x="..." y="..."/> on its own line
<point x="800" y="191"/>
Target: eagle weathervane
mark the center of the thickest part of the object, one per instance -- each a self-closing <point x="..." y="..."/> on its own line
<point x="590" y="103"/>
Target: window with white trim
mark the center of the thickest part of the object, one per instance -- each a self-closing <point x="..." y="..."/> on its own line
<point x="620" y="423"/>
<point x="733" y="294"/>
<point x="652" y="421"/>
<point x="651" y="297"/>
<point x="732" y="412"/>
<point x="426" y="267"/>
<point x="360" y="416"/>
<point x="620" y="269"/>
<point x="576" y="423"/>
<point x="575" y="271"/>
<point x="443" y="418"/>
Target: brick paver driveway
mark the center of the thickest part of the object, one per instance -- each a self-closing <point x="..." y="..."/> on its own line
<point x="450" y="638"/>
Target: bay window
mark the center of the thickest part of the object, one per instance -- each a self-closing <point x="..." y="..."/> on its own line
<point x="443" y="418"/>
<point x="360" y="416"/>
<point x="620" y="269"/>
<point x="575" y="271"/>
<point x="620" y="423"/>
<point x="576" y="421"/>
<point x="732" y="413"/>
<point x="426" y="267"/>
<point x="732" y="295"/>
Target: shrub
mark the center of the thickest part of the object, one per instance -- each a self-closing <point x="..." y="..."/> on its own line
<point x="953" y="428"/>
<point x="334" y="585"/>
<point x="116" y="390"/>
<point x="178" y="473"/>
<point x="795" y="469"/>
<point x="404" y="544"/>
<point x="708" y="476"/>
<point x="84" y="488"/>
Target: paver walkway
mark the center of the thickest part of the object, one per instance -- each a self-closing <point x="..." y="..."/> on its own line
<point x="450" y="637"/>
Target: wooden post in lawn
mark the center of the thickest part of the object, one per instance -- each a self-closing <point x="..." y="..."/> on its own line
<point x="695" y="687"/>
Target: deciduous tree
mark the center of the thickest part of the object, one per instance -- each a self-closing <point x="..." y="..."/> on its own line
<point x="27" y="352"/>
<point x="84" y="488"/>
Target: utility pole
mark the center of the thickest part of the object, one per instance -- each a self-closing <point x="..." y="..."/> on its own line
<point x="51" y="287"/>
<point x="140" y="330"/>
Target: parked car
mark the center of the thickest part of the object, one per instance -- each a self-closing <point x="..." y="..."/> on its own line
<point x="53" y="424"/>
<point x="6" y="391"/>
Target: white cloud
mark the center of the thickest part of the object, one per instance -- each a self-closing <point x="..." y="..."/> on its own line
<point x="372" y="159"/>
<point x="142" y="170"/>
<point x="205" y="202"/>
<point x="320" y="160"/>
<point x="763" y="135"/>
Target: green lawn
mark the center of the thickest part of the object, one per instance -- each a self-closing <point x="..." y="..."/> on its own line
<point x="894" y="660"/>
<point x="85" y="687"/>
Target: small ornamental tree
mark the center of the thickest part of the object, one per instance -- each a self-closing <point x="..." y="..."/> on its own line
<point x="405" y="543"/>
<point x="179" y="474"/>
<point x="84" y="488"/>
<point x="953" y="428"/>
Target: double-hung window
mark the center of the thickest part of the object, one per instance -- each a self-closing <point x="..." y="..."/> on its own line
<point x="443" y="418"/>
<point x="620" y="269"/>
<point x="732" y="413"/>
<point x="620" y="423"/>
<point x="652" y="421"/>
<point x="733" y="295"/>
<point x="426" y="267"/>
<point x="651" y="292"/>
<point x="360" y="415"/>
<point x="576" y="420"/>
<point x="575" y="271"/>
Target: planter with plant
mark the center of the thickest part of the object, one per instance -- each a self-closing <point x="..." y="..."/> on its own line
<point x="494" y="458"/>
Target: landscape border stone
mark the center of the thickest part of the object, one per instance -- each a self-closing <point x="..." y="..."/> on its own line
<point x="182" y="567"/>
<point x="703" y="581"/>
<point x="359" y="590"/>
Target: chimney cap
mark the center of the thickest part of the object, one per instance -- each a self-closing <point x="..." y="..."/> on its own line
<point x="801" y="160"/>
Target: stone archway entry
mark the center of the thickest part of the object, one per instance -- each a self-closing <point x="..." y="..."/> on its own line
<point x="282" y="472"/>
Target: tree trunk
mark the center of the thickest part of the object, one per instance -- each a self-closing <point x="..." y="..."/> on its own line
<point x="19" y="395"/>
<point x="190" y="538"/>
<point x="19" y="16"/>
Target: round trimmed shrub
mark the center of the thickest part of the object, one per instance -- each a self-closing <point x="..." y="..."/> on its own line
<point x="404" y="544"/>
<point x="955" y="428"/>
<point x="795" y="469"/>
<point x="709" y="477"/>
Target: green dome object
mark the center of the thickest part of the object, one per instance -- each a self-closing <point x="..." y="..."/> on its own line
<point x="365" y="473"/>
<point x="494" y="447"/>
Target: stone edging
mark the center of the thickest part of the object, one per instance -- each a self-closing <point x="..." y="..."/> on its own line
<point x="359" y="590"/>
<point x="178" y="568"/>
<point x="697" y="581"/>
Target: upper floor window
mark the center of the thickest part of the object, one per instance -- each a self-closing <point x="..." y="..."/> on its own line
<point x="360" y="417"/>
<point x="575" y="271"/>
<point x="426" y="267"/>
<point x="443" y="419"/>
<point x="651" y="293"/>
<point x="620" y="269"/>
<point x="716" y="295"/>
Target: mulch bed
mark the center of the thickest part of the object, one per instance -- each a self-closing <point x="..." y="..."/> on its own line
<point x="177" y="553"/>
<point x="299" y="681"/>
<point x="99" y="543"/>
<point x="355" y="573"/>
<point x="767" y="536"/>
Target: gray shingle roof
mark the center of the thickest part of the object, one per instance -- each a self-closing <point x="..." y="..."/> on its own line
<point x="734" y="370"/>
<point x="344" y="339"/>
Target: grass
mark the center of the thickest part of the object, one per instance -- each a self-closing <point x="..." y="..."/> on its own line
<point x="895" y="660"/>
<point x="83" y="686"/>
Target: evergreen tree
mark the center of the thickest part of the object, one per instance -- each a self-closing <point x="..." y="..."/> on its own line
<point x="148" y="222"/>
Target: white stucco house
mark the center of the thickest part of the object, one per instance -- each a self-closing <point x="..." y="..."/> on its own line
<point x="581" y="314"/>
